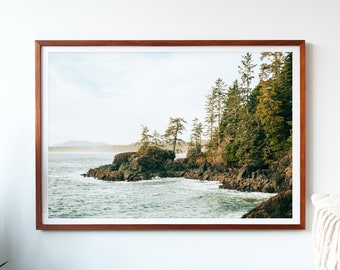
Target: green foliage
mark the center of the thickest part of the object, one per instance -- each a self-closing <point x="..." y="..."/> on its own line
<point x="157" y="139"/>
<point x="246" y="70"/>
<point x="145" y="137"/>
<point x="244" y="124"/>
<point x="175" y="128"/>
<point x="210" y="114"/>
<point x="230" y="123"/>
<point x="256" y="123"/>
<point x="158" y="153"/>
<point x="232" y="112"/>
<point x="195" y="144"/>
<point x="1" y="265"/>
<point x="271" y="66"/>
<point x="274" y="107"/>
<point x="285" y="94"/>
<point x="229" y="151"/>
<point x="147" y="140"/>
<point x="214" y="111"/>
<point x="250" y="141"/>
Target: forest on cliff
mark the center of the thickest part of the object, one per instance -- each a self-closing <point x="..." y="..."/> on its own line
<point x="245" y="123"/>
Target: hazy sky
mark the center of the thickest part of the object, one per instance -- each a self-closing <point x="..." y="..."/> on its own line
<point x="107" y="96"/>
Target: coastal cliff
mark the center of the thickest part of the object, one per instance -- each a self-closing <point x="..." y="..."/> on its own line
<point x="279" y="206"/>
<point x="155" y="162"/>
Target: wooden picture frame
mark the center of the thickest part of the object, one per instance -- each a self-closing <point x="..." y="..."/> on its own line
<point x="88" y="91"/>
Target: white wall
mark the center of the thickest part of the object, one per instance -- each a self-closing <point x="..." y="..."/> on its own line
<point x="23" y="21"/>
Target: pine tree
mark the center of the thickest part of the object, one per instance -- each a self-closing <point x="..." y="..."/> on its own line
<point x="195" y="144"/>
<point x="274" y="103"/>
<point x="220" y="89"/>
<point x="285" y="95"/>
<point x="246" y="70"/>
<point x="210" y="118"/>
<point x="268" y="111"/>
<point x="271" y="66"/>
<point x="230" y="122"/>
<point x="156" y="139"/>
<point x="175" y="128"/>
<point x="250" y="141"/>
<point x="145" y="140"/>
<point x="214" y="110"/>
<point x="248" y="132"/>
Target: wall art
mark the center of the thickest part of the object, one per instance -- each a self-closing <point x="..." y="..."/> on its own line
<point x="170" y="134"/>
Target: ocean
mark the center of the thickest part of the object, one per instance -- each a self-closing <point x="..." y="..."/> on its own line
<point x="70" y="195"/>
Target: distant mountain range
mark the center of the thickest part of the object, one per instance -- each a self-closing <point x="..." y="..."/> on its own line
<point x="87" y="146"/>
<point x="79" y="144"/>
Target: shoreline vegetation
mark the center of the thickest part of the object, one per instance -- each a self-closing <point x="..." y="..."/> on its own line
<point x="244" y="141"/>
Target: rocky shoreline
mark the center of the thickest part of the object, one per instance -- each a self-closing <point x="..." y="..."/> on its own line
<point x="155" y="162"/>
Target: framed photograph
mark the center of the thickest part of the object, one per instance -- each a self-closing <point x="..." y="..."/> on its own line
<point x="170" y="134"/>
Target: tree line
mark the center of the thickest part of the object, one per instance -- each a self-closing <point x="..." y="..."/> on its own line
<point x="171" y="136"/>
<point x="243" y="124"/>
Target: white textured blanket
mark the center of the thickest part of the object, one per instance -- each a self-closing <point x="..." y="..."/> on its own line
<point x="326" y="231"/>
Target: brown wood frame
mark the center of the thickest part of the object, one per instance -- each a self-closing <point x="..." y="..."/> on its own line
<point x="38" y="98"/>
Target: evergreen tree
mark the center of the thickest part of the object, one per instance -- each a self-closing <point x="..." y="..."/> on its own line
<point x="246" y="70"/>
<point x="210" y="118"/>
<point x="250" y="141"/>
<point x="175" y="128"/>
<point x="246" y="144"/>
<point x="220" y="97"/>
<point x="195" y="144"/>
<point x="271" y="66"/>
<point x="145" y="138"/>
<point x="157" y="139"/>
<point x="230" y="122"/>
<point x="285" y="95"/>
<point x="268" y="111"/>
<point x="274" y="103"/>
<point x="214" y="110"/>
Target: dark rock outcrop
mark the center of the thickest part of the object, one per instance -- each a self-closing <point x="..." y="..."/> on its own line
<point x="156" y="162"/>
<point x="281" y="172"/>
<point x="134" y="166"/>
<point x="279" y="206"/>
<point x="274" y="179"/>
